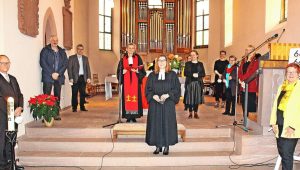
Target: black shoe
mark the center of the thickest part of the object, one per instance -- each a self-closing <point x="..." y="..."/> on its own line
<point x="57" y="118"/>
<point x="225" y="113"/>
<point x="83" y="109"/>
<point x="128" y="120"/>
<point x="74" y="110"/>
<point x="190" y="115"/>
<point x="166" y="150"/>
<point x="157" y="150"/>
<point x="134" y="120"/>
<point x="231" y="114"/>
<point x="86" y="102"/>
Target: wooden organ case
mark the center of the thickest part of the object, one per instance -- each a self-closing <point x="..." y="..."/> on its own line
<point x="157" y="29"/>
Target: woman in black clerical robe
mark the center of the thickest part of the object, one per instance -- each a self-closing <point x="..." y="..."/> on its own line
<point x="163" y="93"/>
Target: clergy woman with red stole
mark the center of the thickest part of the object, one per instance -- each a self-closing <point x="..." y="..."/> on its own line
<point x="132" y="73"/>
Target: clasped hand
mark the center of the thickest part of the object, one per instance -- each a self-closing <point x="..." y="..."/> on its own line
<point x="133" y="70"/>
<point x="195" y="75"/>
<point x="55" y="76"/>
<point x="289" y="132"/>
<point x="162" y="98"/>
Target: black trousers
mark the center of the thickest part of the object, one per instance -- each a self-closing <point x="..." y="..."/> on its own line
<point x="79" y="86"/>
<point x="219" y="91"/>
<point x="230" y="101"/>
<point x="47" y="88"/>
<point x="286" y="148"/>
<point x="193" y="108"/>
<point x="251" y="102"/>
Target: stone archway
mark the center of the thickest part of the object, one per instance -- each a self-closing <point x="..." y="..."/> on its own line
<point x="49" y="26"/>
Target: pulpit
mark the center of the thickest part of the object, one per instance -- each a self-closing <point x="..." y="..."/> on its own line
<point x="272" y="74"/>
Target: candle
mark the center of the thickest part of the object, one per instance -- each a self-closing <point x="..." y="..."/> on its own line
<point x="10" y="114"/>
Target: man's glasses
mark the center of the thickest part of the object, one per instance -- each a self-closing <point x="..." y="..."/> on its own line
<point x="5" y="63"/>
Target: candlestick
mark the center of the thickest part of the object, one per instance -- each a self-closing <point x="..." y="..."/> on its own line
<point x="10" y="114"/>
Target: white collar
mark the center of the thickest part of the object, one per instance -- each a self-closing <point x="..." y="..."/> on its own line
<point x="79" y="56"/>
<point x="161" y="75"/>
<point x="130" y="59"/>
<point x="5" y="75"/>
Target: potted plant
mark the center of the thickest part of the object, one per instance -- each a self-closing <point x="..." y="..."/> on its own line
<point x="44" y="106"/>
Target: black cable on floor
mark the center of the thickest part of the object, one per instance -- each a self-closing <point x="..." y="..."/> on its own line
<point x="236" y="165"/>
<point x="112" y="149"/>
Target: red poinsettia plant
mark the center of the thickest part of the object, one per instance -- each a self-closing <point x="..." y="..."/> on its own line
<point x="44" y="106"/>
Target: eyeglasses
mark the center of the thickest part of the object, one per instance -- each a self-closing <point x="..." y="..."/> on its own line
<point x="162" y="60"/>
<point x="80" y="49"/>
<point x="291" y="72"/>
<point x="5" y="63"/>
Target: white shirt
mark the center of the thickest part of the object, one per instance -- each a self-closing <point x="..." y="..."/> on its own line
<point x="5" y="75"/>
<point x="161" y="75"/>
<point x="81" y="72"/>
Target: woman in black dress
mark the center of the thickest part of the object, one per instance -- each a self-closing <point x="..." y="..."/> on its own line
<point x="194" y="73"/>
<point x="163" y="93"/>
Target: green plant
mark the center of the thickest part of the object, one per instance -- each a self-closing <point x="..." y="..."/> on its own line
<point x="43" y="106"/>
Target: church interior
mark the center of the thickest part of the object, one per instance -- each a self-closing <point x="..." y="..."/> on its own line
<point x="157" y="27"/>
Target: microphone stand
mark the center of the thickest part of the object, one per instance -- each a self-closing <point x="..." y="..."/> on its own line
<point x="258" y="47"/>
<point x="120" y="86"/>
<point x="235" y="123"/>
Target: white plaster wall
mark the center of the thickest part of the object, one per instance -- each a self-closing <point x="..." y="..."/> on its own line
<point x="249" y="19"/>
<point x="1" y="27"/>
<point x="24" y="51"/>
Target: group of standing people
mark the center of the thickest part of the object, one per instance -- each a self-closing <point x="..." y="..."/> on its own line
<point x="230" y="78"/>
<point x="54" y="62"/>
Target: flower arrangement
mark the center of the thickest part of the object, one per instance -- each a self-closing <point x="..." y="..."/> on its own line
<point x="44" y="106"/>
<point x="175" y="62"/>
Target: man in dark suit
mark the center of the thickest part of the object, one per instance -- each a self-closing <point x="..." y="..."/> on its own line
<point x="9" y="87"/>
<point x="79" y="74"/>
<point x="54" y="62"/>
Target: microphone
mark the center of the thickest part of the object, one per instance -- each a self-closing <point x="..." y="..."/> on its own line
<point x="283" y="30"/>
<point x="273" y="37"/>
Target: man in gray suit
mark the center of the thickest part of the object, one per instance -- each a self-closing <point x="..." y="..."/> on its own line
<point x="79" y="74"/>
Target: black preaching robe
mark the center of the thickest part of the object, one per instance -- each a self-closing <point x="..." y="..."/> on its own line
<point x="140" y="75"/>
<point x="161" y="122"/>
<point x="7" y="89"/>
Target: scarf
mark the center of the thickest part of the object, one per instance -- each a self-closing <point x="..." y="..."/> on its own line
<point x="288" y="88"/>
<point x="228" y="71"/>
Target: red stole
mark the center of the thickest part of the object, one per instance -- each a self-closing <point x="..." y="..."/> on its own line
<point x="131" y="82"/>
<point x="229" y="70"/>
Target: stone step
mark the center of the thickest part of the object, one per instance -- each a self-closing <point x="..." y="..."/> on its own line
<point x="43" y="158"/>
<point x="122" y="145"/>
<point x="43" y="132"/>
<point x="126" y="159"/>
